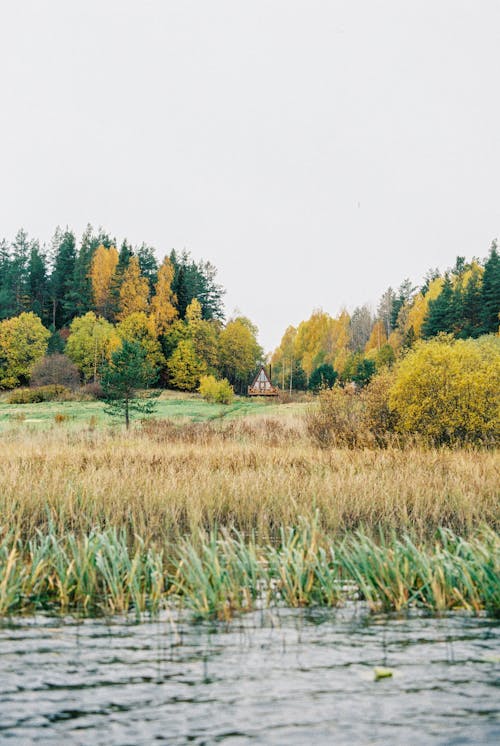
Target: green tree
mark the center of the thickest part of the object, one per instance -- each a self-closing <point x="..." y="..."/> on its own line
<point x="441" y="312"/>
<point x="322" y="377"/>
<point x="23" y="342"/>
<point x="490" y="299"/>
<point x="62" y="279"/>
<point x="127" y="372"/>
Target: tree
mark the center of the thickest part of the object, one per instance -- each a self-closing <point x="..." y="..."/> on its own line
<point x="62" y="279"/>
<point x="358" y="369"/>
<point x="81" y="297"/>
<point x="184" y="367"/>
<point x="134" y="291"/>
<point x="360" y="327"/>
<point x="239" y="351"/>
<point x="490" y="295"/>
<point x="128" y="371"/>
<point x="148" y="265"/>
<point x="448" y="390"/>
<point x="23" y="341"/>
<point x="37" y="282"/>
<point x="91" y="342"/>
<point x="384" y="310"/>
<point x="323" y="377"/>
<point x="140" y="328"/>
<point x="377" y="337"/>
<point x="163" y="303"/>
<point x="102" y="269"/>
<point x="441" y="312"/>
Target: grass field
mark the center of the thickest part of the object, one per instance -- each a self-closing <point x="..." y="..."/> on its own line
<point x="170" y="405"/>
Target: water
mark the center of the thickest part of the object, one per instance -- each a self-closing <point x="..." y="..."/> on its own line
<point x="276" y="677"/>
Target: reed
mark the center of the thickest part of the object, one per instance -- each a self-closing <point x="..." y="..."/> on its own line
<point x="220" y="574"/>
<point x="164" y="480"/>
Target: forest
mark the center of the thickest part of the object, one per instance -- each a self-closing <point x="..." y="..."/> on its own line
<point x="76" y="302"/>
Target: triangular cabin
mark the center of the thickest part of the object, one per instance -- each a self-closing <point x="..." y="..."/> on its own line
<point x="262" y="385"/>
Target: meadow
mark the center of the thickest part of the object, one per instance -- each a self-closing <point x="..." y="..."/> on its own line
<point x="224" y="507"/>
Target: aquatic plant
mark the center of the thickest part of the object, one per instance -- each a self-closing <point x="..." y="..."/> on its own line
<point x="223" y="573"/>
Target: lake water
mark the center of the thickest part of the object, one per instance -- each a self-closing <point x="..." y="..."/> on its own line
<point x="273" y="677"/>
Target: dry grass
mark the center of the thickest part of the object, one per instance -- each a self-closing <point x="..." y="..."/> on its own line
<point x="163" y="479"/>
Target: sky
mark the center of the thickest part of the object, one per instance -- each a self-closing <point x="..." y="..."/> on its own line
<point x="316" y="151"/>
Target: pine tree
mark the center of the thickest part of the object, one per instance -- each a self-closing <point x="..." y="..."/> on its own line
<point x="81" y="296"/>
<point x="62" y="280"/>
<point x="38" y="283"/>
<point x="19" y="272"/>
<point x="441" y="312"/>
<point x="128" y="371"/>
<point x="148" y="265"/>
<point x="490" y="295"/>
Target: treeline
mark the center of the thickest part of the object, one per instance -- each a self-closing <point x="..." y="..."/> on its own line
<point x="463" y="302"/>
<point x="84" y="300"/>
<point x="66" y="280"/>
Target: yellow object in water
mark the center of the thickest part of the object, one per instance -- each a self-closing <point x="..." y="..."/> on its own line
<point x="382" y="673"/>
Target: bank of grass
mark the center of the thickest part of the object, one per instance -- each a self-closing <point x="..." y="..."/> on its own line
<point x="222" y="574"/>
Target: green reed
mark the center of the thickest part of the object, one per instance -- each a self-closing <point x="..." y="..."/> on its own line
<point x="223" y="573"/>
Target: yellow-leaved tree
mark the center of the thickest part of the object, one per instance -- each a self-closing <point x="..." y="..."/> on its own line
<point x="378" y="337"/>
<point x="448" y="390"/>
<point x="91" y="342"/>
<point x="185" y="367"/>
<point x="134" y="291"/>
<point x="138" y="327"/>
<point x="102" y="270"/>
<point x="23" y="342"/>
<point x="163" y="303"/>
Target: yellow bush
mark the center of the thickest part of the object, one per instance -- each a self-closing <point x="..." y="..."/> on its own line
<point x="213" y="390"/>
<point x="448" y="390"/>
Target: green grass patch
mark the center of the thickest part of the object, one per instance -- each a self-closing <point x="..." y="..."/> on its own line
<point x="170" y="405"/>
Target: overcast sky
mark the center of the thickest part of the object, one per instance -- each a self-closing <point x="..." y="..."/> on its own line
<point x="316" y="151"/>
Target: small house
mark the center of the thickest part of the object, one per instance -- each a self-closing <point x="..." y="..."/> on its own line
<point x="262" y="385"/>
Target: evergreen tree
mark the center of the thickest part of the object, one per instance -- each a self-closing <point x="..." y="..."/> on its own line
<point x="81" y="297"/>
<point x="62" y="279"/>
<point x="441" y="313"/>
<point x="19" y="282"/>
<point x="6" y="290"/>
<point x="38" y="283"/>
<point x="490" y="296"/>
<point x="471" y="317"/>
<point x="128" y="371"/>
<point x="148" y="265"/>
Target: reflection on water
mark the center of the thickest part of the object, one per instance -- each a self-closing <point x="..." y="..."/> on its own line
<point x="276" y="677"/>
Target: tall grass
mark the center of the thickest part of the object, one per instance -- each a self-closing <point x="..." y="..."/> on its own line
<point x="219" y="574"/>
<point x="164" y="480"/>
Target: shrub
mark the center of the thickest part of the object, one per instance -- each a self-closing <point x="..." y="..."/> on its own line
<point x="42" y="393"/>
<point x="338" y="419"/>
<point x="55" y="370"/>
<point x="213" y="390"/>
<point x="448" y="390"/>
<point x="92" y="391"/>
<point x="378" y="417"/>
